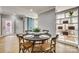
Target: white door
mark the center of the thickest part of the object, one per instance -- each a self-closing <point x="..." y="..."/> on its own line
<point x="7" y="26"/>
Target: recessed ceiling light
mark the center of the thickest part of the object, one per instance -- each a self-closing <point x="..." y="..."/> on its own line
<point x="31" y="10"/>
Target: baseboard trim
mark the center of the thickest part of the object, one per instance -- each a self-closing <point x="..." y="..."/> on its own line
<point x="6" y="35"/>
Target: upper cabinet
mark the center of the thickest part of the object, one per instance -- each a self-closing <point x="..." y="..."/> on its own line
<point x="60" y="16"/>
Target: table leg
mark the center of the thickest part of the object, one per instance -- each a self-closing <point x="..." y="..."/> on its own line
<point x="43" y="42"/>
<point x="33" y="46"/>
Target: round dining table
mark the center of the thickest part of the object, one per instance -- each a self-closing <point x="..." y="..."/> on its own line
<point x="34" y="39"/>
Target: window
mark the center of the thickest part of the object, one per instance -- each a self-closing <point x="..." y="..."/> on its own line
<point x="35" y="23"/>
<point x="30" y="23"/>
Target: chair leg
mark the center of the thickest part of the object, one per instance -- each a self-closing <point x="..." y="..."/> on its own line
<point x="23" y="50"/>
<point x="55" y="48"/>
<point x="29" y="50"/>
<point x="19" y="50"/>
<point x="54" y="51"/>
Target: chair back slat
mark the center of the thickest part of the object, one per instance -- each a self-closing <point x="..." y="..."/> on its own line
<point x="54" y="38"/>
<point x="21" y="40"/>
<point x="45" y="31"/>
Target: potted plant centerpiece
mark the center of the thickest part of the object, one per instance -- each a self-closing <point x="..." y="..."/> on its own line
<point x="36" y="30"/>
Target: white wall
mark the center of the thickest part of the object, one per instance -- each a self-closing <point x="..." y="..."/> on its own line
<point x="19" y="26"/>
<point x="25" y="24"/>
<point x="4" y="30"/>
<point x="13" y="11"/>
<point x="0" y="25"/>
<point x="47" y="20"/>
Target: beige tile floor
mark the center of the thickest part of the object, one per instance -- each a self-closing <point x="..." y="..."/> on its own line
<point x="9" y="44"/>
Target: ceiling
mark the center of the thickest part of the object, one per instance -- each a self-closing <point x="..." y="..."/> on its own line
<point x="25" y="9"/>
<point x="61" y="8"/>
<point x="39" y="9"/>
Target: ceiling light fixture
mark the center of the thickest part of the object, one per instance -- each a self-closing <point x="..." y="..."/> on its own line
<point x="31" y="10"/>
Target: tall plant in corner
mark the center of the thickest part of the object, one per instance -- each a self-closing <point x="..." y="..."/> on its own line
<point x="70" y="14"/>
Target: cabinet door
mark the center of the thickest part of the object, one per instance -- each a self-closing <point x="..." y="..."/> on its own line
<point x="58" y="22"/>
<point x="74" y="20"/>
<point x="59" y="16"/>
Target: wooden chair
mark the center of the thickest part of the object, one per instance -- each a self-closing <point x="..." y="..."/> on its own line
<point x="47" y="47"/>
<point x="53" y="43"/>
<point x="23" y="45"/>
<point x="27" y="46"/>
<point x="51" y="46"/>
<point x="46" y="34"/>
<point x="37" y="48"/>
<point x="20" y="42"/>
<point x="28" y="31"/>
<point x="38" y="45"/>
<point x="45" y="31"/>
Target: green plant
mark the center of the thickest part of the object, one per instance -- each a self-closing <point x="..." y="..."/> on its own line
<point x="36" y="30"/>
<point x="71" y="13"/>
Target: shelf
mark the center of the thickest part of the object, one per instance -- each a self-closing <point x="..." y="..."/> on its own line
<point x="72" y="21"/>
<point x="66" y="18"/>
